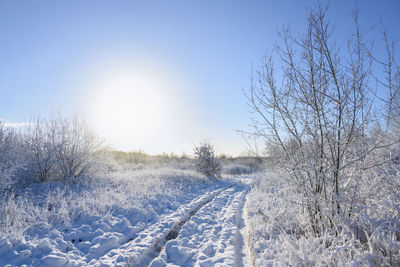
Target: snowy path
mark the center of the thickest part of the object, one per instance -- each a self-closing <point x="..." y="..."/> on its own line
<point x="205" y="232"/>
<point x="212" y="237"/>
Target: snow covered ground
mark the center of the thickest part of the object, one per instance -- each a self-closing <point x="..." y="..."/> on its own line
<point x="169" y="217"/>
<point x="211" y="236"/>
<point x="146" y="217"/>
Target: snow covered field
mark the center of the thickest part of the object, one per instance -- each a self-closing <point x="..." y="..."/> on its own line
<point x="152" y="216"/>
<point x="149" y="215"/>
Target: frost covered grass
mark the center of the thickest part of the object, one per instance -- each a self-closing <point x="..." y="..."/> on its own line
<point x="53" y="223"/>
<point x="279" y="232"/>
<point x="58" y="202"/>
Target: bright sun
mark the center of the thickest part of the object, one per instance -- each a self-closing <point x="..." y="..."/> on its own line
<point x="130" y="106"/>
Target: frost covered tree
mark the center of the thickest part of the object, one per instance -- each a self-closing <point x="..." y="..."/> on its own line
<point x="314" y="110"/>
<point x="205" y="160"/>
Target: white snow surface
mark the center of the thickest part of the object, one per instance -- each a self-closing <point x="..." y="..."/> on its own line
<point x="200" y="225"/>
<point x="212" y="236"/>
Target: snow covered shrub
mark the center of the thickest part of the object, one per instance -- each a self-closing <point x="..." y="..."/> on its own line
<point x="278" y="234"/>
<point x="10" y="160"/>
<point x="39" y="151"/>
<point x="74" y="146"/>
<point x="59" y="149"/>
<point x="205" y="161"/>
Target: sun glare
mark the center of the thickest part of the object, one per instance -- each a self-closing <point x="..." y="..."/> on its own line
<point x="130" y="106"/>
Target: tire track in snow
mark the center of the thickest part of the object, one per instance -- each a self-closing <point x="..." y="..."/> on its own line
<point x="149" y="243"/>
<point x="172" y="234"/>
<point x="241" y="246"/>
<point x="213" y="236"/>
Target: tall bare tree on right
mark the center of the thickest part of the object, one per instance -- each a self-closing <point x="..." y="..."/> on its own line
<point x="314" y="109"/>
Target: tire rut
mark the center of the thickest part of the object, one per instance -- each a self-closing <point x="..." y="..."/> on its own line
<point x="158" y="246"/>
<point x="213" y="236"/>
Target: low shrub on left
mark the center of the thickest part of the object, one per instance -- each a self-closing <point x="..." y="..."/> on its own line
<point x="56" y="149"/>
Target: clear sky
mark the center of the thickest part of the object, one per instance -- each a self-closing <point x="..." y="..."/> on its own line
<point x="153" y="75"/>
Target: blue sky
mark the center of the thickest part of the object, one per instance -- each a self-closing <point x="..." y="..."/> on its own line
<point x="181" y="64"/>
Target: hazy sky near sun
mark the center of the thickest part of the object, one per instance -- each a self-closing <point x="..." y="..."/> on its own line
<point x="153" y="75"/>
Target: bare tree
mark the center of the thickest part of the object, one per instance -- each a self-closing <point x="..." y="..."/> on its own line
<point x="391" y="82"/>
<point x="314" y="109"/>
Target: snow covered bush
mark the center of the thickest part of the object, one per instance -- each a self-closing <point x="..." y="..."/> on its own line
<point x="39" y="151"/>
<point x="205" y="161"/>
<point x="45" y="150"/>
<point x="278" y="234"/>
<point x="10" y="156"/>
<point x="75" y="145"/>
<point x="59" y="148"/>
